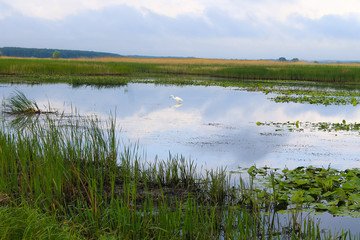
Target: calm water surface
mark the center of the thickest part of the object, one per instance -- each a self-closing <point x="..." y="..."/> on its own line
<point x="214" y="126"/>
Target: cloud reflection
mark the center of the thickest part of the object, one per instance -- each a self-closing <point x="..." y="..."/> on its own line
<point x="159" y="121"/>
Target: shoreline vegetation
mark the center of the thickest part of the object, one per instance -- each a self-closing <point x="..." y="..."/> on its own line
<point x="229" y="69"/>
<point x="67" y="177"/>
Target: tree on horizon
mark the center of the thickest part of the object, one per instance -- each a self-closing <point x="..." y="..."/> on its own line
<point x="56" y="54"/>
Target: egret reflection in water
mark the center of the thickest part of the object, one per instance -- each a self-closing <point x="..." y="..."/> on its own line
<point x="179" y="104"/>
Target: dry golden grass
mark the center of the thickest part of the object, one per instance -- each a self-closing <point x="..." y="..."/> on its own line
<point x="199" y="61"/>
<point x="207" y="61"/>
<point x="203" y="61"/>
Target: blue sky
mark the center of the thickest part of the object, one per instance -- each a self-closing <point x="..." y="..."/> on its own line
<point x="241" y="29"/>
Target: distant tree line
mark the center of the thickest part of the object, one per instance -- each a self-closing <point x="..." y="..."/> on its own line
<point x="51" y="53"/>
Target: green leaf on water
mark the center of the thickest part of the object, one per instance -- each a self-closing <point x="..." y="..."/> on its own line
<point x="349" y="186"/>
<point x="283" y="212"/>
<point x="333" y="209"/>
<point x="301" y="182"/>
<point x="298" y="196"/>
<point x="314" y="191"/>
<point x="327" y="194"/>
<point x="333" y="203"/>
<point x="321" y="207"/>
<point x="309" y="198"/>
<point x="354" y="197"/>
<point x="355" y="214"/>
<point x="354" y="207"/>
<point x="257" y="190"/>
<point x="283" y="197"/>
<point x="262" y="194"/>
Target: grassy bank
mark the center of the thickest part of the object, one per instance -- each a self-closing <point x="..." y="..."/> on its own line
<point x="142" y="68"/>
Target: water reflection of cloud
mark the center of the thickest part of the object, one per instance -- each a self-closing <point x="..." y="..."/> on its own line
<point x="68" y="108"/>
<point x="308" y="113"/>
<point x="317" y="149"/>
<point x="144" y="123"/>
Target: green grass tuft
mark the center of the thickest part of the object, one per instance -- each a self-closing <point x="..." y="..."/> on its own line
<point x="19" y="103"/>
<point x="24" y="222"/>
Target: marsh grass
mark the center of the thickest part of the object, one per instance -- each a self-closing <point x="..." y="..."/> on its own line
<point x="24" y="222"/>
<point x="230" y="69"/>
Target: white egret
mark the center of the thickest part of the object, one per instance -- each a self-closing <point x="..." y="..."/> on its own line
<point x="176" y="98"/>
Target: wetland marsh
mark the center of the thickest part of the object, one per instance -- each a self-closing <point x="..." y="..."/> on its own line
<point x="158" y="159"/>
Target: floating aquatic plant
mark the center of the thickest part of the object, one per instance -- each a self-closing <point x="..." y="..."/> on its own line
<point x="320" y="189"/>
<point x="324" y="100"/>
<point x="319" y="126"/>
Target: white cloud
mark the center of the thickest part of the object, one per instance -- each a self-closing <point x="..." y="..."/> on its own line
<point x="168" y="8"/>
<point x="55" y="9"/>
<point x="320" y="8"/>
<point x="59" y="9"/>
<point x="245" y="9"/>
<point x="306" y="29"/>
<point x="5" y="10"/>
